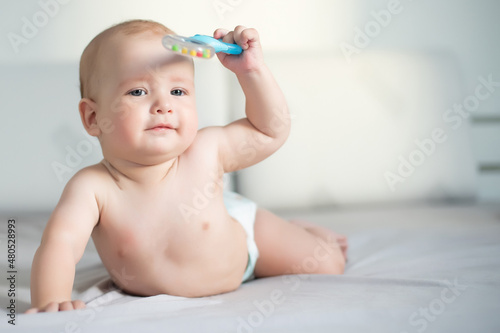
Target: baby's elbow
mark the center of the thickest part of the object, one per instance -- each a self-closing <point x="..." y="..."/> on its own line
<point x="280" y="135"/>
<point x="280" y="124"/>
<point x="286" y="133"/>
<point x="285" y="124"/>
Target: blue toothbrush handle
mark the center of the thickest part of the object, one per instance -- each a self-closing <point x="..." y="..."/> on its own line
<point x="218" y="44"/>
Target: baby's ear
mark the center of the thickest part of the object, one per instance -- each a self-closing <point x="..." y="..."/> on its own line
<point x="88" y="114"/>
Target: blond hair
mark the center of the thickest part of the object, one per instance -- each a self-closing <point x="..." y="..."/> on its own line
<point x="88" y="61"/>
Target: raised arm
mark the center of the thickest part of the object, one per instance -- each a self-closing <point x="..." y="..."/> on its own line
<point x="267" y="124"/>
<point x="63" y="243"/>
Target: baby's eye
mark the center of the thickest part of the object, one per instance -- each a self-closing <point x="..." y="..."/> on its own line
<point x="137" y="92"/>
<point x="177" y="92"/>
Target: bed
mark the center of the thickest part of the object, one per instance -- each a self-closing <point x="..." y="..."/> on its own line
<point x="424" y="256"/>
<point x="411" y="268"/>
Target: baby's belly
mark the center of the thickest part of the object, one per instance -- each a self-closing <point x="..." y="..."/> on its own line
<point x="185" y="261"/>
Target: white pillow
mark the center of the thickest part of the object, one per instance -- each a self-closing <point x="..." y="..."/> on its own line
<point x="367" y="132"/>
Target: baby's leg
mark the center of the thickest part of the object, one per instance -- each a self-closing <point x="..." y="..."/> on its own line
<point x="290" y="248"/>
<point x="324" y="233"/>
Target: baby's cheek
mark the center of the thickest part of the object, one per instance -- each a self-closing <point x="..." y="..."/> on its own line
<point x="120" y="110"/>
<point x="188" y="118"/>
<point x="193" y="126"/>
<point x="106" y="124"/>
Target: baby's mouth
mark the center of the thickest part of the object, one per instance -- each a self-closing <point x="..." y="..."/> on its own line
<point x="161" y="127"/>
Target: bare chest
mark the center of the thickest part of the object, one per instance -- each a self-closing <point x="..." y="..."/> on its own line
<point x="178" y="219"/>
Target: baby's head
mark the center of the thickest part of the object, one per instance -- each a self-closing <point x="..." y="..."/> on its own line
<point x="137" y="97"/>
<point x="89" y="64"/>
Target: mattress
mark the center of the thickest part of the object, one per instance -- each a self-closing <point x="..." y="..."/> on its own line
<point x="432" y="268"/>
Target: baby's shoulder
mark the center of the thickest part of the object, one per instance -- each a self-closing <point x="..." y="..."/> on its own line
<point x="209" y="134"/>
<point x="90" y="177"/>
<point x="204" y="148"/>
<point x="207" y="138"/>
<point x="86" y="186"/>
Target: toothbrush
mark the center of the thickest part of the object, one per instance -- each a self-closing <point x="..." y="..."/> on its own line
<point x="199" y="46"/>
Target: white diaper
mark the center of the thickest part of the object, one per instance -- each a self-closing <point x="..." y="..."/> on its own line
<point x="243" y="211"/>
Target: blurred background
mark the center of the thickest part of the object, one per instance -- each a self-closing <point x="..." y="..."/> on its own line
<point x="391" y="101"/>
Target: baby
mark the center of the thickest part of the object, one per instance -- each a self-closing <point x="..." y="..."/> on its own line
<point x="155" y="205"/>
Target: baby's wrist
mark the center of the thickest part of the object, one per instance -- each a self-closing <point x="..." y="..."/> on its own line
<point x="256" y="71"/>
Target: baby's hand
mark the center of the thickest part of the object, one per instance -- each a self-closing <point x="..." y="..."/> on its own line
<point x="55" y="307"/>
<point x="251" y="59"/>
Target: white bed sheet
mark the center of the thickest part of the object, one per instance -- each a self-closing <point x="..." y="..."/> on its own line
<point x="410" y="269"/>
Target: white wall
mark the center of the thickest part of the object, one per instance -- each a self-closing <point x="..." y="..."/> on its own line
<point x="39" y="82"/>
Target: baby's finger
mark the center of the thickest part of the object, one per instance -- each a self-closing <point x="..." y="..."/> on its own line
<point x="32" y="310"/>
<point x="52" y="307"/>
<point x="78" y="305"/>
<point x="66" y="306"/>
<point x="248" y="37"/>
<point x="219" y="33"/>
<point x="229" y="37"/>
<point x="237" y="33"/>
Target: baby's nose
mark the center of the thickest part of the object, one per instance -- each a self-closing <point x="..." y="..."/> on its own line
<point x="163" y="110"/>
<point x="162" y="106"/>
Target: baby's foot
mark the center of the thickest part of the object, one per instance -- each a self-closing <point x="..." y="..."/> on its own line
<point x="325" y="234"/>
<point x="342" y="240"/>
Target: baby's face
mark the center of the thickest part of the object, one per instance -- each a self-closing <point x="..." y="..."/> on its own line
<point x="145" y="100"/>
